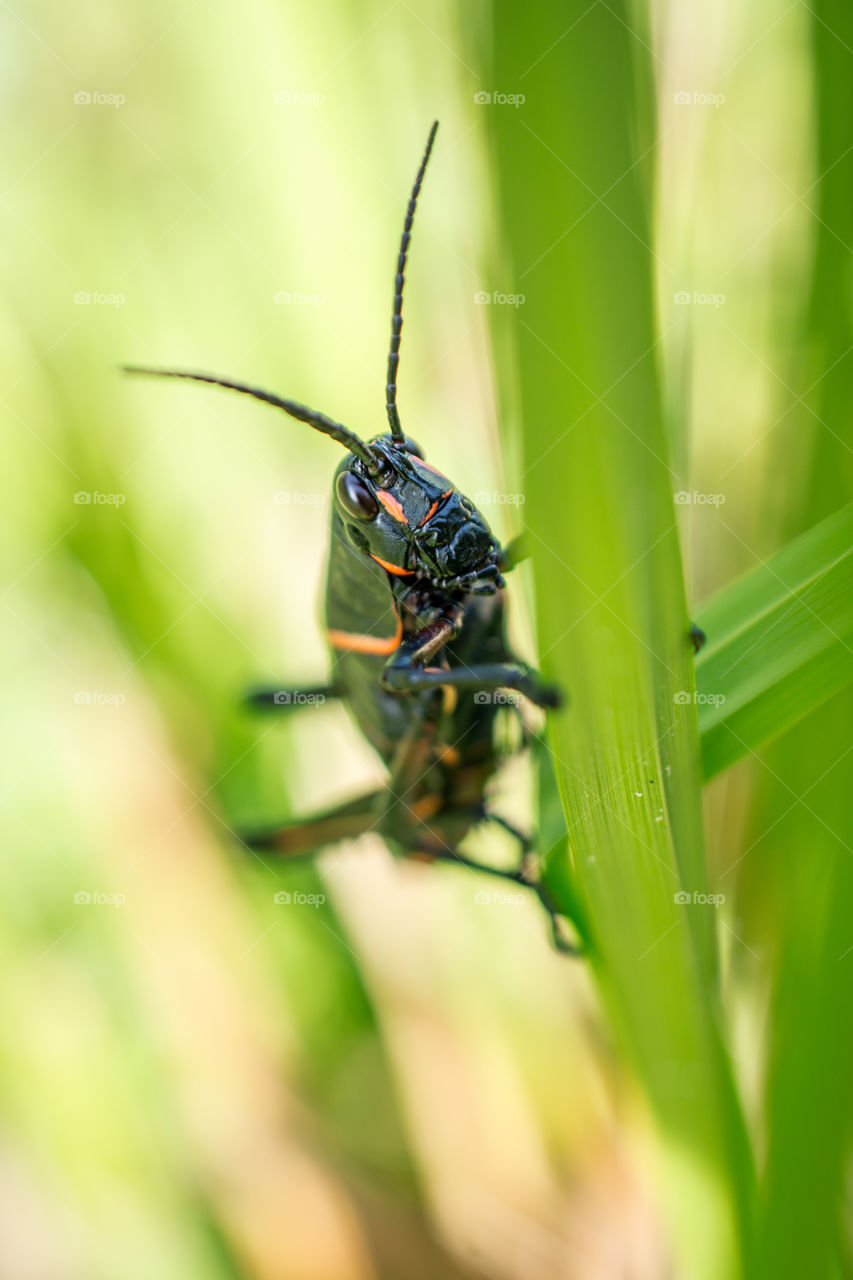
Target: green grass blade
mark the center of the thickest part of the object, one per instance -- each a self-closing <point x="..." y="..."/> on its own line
<point x="611" y="611"/>
<point x="804" y="863"/>
<point x="780" y="642"/>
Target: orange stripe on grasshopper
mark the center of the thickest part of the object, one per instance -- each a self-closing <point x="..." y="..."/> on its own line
<point x="429" y="515"/>
<point x="393" y="568"/>
<point x="351" y="642"/>
<point x="392" y="506"/>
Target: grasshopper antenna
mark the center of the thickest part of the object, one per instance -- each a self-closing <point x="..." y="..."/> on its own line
<point x="397" y="316"/>
<point x="318" y="421"/>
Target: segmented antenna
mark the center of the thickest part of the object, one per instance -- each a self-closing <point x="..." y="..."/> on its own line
<point x="397" y="316"/>
<point x="318" y="421"/>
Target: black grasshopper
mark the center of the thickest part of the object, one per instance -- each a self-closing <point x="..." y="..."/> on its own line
<point x="414" y="614"/>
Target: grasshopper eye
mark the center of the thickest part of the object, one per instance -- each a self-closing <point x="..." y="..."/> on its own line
<point x="355" y="497"/>
<point x="412" y="446"/>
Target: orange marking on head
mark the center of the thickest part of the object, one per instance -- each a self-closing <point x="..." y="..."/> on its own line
<point x="392" y="506"/>
<point x="393" y="568"/>
<point x="380" y="646"/>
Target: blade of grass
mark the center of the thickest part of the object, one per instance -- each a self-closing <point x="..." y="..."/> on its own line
<point x="807" y="862"/>
<point x="611" y="610"/>
<point x="780" y="642"/>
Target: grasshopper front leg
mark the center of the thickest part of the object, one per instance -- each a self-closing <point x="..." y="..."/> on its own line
<point x="406" y="670"/>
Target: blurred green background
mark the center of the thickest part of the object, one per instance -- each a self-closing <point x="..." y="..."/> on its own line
<point x="200" y="1081"/>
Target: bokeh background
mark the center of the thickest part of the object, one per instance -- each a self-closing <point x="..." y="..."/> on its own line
<point x="397" y="1080"/>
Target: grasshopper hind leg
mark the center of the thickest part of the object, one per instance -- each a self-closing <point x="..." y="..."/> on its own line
<point x="306" y="836"/>
<point x="413" y="837"/>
